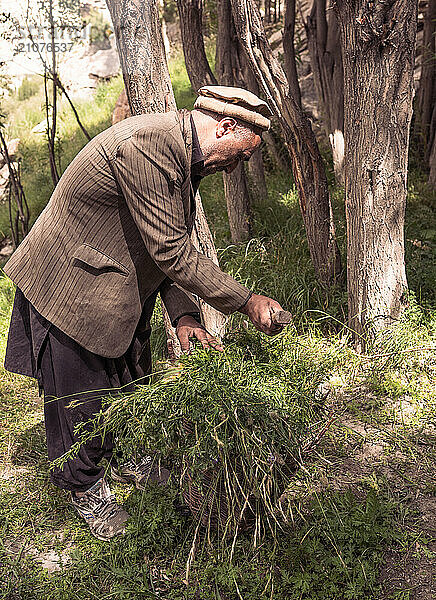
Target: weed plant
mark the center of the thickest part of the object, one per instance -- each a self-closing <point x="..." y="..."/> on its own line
<point x="243" y="416"/>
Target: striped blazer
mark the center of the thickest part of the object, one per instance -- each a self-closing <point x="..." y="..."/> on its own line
<point x="116" y="229"/>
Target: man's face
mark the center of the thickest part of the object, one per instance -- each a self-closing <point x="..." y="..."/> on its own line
<point x="226" y="145"/>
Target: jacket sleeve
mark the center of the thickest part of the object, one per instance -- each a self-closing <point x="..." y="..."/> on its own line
<point x="177" y="301"/>
<point x="150" y="167"/>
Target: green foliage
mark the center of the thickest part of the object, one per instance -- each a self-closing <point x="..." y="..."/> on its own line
<point x="420" y="238"/>
<point x="170" y="12"/>
<point x="101" y="29"/>
<point x="244" y="413"/>
<point x="404" y="353"/>
<point x="30" y="86"/>
<point x="335" y="551"/>
<point x="22" y="116"/>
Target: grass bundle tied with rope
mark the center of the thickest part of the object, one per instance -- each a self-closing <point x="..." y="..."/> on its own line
<point x="232" y="426"/>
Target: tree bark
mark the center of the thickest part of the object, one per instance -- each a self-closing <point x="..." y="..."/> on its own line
<point x="267" y="11"/>
<point x="255" y="165"/>
<point x="432" y="160"/>
<point x="326" y="61"/>
<point x="378" y="46"/>
<point x="308" y="167"/>
<point x="289" y="51"/>
<point x="426" y="97"/>
<point x="228" y="67"/>
<point x="148" y="87"/>
<point x="191" y="28"/>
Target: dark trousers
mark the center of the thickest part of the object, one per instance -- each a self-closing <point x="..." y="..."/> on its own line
<point x="67" y="372"/>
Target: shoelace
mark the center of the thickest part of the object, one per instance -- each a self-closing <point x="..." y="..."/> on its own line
<point x="144" y="463"/>
<point x="95" y="504"/>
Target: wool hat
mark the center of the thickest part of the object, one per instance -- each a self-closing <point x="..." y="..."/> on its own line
<point x="234" y="102"/>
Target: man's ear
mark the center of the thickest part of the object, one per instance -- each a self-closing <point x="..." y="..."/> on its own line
<point x="224" y="126"/>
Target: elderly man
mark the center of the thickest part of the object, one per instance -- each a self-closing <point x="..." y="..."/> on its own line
<point x="115" y="233"/>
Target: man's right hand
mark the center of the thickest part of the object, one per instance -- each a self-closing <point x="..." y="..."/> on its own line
<point x="260" y="310"/>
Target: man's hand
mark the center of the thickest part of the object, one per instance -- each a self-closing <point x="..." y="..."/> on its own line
<point x="260" y="310"/>
<point x="188" y="327"/>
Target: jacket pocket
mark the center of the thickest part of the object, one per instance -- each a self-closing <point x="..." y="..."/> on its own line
<point x="98" y="260"/>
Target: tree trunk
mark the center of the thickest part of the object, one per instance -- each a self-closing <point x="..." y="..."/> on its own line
<point x="163" y="25"/>
<point x="426" y="97"/>
<point x="267" y="11"/>
<point x="148" y="86"/>
<point x="432" y="160"/>
<point x="289" y="51"/>
<point x="326" y="60"/>
<point x="228" y="67"/>
<point x="255" y="165"/>
<point x="308" y="167"/>
<point x="142" y="55"/>
<point x="278" y="153"/>
<point x="238" y="204"/>
<point x="378" y="46"/>
<point x="191" y="28"/>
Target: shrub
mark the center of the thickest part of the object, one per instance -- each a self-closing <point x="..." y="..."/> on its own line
<point x="29" y="87"/>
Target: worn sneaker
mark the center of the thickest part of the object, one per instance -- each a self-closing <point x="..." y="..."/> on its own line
<point x="146" y="470"/>
<point x="97" y="506"/>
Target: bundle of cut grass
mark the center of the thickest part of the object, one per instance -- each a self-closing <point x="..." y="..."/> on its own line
<point x="231" y="424"/>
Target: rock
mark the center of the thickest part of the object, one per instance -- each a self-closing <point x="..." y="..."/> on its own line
<point x="276" y="39"/>
<point x="122" y="109"/>
<point x="51" y="561"/>
<point x="104" y="64"/>
<point x="4" y="183"/>
<point x="12" y="147"/>
<point x="84" y="66"/>
<point x="41" y="127"/>
<point x="6" y="248"/>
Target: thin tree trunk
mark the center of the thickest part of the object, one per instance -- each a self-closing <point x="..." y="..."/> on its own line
<point x="256" y="170"/>
<point x="426" y="97"/>
<point x="432" y="160"/>
<point x="148" y="87"/>
<point x="255" y="165"/>
<point x="267" y="11"/>
<point x="276" y="153"/>
<point x="238" y="204"/>
<point x="290" y="66"/>
<point x="51" y="73"/>
<point x="191" y="28"/>
<point x="163" y="26"/>
<point x="326" y="61"/>
<point x="51" y="129"/>
<point x="378" y="45"/>
<point x="20" y="222"/>
<point x="308" y="167"/>
<point x="228" y="67"/>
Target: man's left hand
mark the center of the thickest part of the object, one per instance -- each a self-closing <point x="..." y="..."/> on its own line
<point x="188" y="327"/>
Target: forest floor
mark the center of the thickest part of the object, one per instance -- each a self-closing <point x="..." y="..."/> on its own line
<point x="362" y="520"/>
<point x="363" y="503"/>
<point x="368" y="488"/>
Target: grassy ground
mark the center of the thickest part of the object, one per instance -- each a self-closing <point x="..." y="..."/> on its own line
<point x="360" y="512"/>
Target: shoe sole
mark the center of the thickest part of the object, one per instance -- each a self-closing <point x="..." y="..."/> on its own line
<point x="106" y="539"/>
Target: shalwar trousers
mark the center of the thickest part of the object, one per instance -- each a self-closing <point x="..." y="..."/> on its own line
<point x="75" y="382"/>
